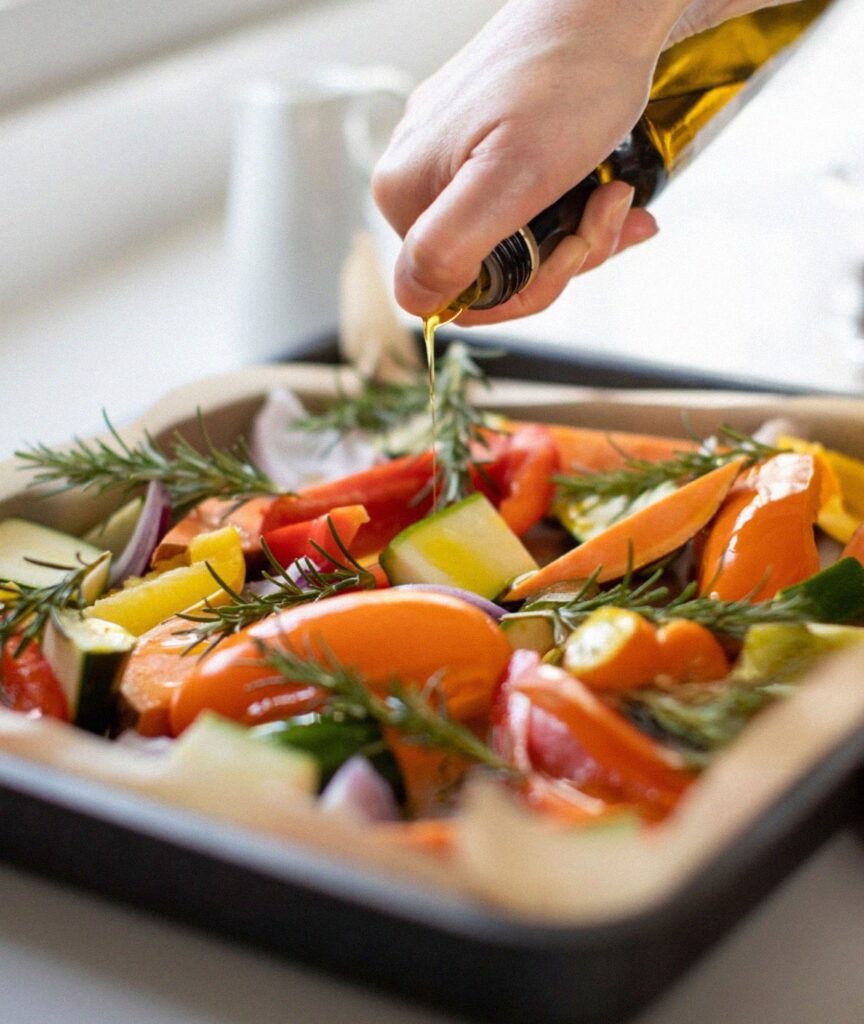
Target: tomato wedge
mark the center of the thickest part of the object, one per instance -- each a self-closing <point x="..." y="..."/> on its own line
<point x="29" y="684"/>
<point x="598" y="749"/>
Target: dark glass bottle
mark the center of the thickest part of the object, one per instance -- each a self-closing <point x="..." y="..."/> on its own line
<point x="699" y="84"/>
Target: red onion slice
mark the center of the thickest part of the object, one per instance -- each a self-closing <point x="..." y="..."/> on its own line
<point x="359" y="790"/>
<point x="152" y="523"/>
<point x="494" y="611"/>
<point x="293" y="458"/>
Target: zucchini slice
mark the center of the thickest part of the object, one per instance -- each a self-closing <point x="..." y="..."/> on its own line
<point x="87" y="656"/>
<point x="467" y="545"/>
<point x="24" y="544"/>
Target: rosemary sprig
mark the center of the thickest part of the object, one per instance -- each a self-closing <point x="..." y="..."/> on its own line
<point x="567" y="608"/>
<point x="458" y="427"/>
<point x="733" y="618"/>
<point x="640" y="475"/>
<point x="377" y="408"/>
<point x="699" y="718"/>
<point x="730" y="618"/>
<point x="307" y="584"/>
<point x="189" y="475"/>
<point x="26" y="610"/>
<point x="419" y="715"/>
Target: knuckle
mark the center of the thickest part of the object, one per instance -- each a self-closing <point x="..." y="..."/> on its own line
<point x="385" y="183"/>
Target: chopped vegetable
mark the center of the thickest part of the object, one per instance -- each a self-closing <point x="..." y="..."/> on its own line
<point x="762" y="538"/>
<point x="144" y="603"/>
<point x="581" y="450"/>
<point x="639" y="539"/>
<point x="28" y="682"/>
<point x="151" y="524"/>
<point x="36" y="557"/>
<point x="87" y="656"/>
<point x="467" y="545"/>
<point x="380" y="634"/>
<point x="391" y="493"/>
<point x="322" y="540"/>
<point x="613" y="649"/>
<point x="690" y="653"/>
<point x="642" y="770"/>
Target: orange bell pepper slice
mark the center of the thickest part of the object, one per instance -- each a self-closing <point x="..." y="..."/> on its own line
<point x="382" y="634"/>
<point x="762" y="538"/>
<point x="639" y="539"/>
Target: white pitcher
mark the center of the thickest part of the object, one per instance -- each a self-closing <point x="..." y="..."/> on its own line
<point x="303" y="154"/>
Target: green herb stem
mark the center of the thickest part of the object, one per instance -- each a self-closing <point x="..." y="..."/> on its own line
<point x="305" y="585"/>
<point x="637" y="476"/>
<point x="419" y="715"/>
<point x="189" y="475"/>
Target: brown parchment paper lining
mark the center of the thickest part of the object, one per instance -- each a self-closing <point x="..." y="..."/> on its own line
<point x="504" y="858"/>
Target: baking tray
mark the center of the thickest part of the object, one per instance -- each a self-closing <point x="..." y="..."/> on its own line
<point x="538" y="360"/>
<point x="450" y="952"/>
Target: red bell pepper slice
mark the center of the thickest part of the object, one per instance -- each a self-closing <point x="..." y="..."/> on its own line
<point x="515" y="475"/>
<point x="29" y="684"/>
<point x="309" y="538"/>
<point x="517" y="478"/>
<point x="389" y="493"/>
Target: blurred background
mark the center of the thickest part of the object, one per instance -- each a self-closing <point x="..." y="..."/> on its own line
<point x="171" y="172"/>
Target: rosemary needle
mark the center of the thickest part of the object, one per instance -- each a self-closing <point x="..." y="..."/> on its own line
<point x="189" y="475"/>
<point x="304" y="585"/>
<point x="419" y="715"/>
<point x="640" y="475"/>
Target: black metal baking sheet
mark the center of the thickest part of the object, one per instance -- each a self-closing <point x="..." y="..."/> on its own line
<point x="542" y="361"/>
<point x="338" y="917"/>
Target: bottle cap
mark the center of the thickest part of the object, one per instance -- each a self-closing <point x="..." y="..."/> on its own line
<point x="508" y="269"/>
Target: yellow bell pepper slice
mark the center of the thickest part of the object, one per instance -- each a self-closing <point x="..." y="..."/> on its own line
<point x="145" y="603"/>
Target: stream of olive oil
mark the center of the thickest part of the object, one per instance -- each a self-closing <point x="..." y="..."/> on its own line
<point x="431" y="323"/>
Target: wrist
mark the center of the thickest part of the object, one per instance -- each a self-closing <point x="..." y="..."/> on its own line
<point x="637" y="29"/>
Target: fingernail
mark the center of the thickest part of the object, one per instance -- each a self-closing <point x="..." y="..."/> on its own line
<point x="577" y="256"/>
<point x="624" y="203"/>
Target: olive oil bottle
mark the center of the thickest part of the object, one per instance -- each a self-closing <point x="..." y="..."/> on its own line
<point x="699" y="84"/>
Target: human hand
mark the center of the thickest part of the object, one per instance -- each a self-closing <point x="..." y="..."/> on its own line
<point x="525" y="111"/>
